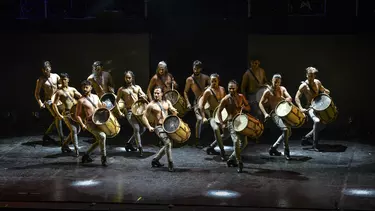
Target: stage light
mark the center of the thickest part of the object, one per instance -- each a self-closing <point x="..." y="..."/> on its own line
<point x="222" y="194"/>
<point x="360" y="192"/>
<point x="85" y="183"/>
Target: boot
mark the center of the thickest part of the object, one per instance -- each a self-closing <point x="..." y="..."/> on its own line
<point x="240" y="167"/>
<point x="76" y="154"/>
<point x="211" y="151"/>
<point x="129" y="147"/>
<point x="231" y="163"/>
<point x="287" y="154"/>
<point x="197" y="144"/>
<point x="86" y="158"/>
<point x="315" y="146"/>
<point x="170" y="166"/>
<point x="65" y="149"/>
<point x="47" y="138"/>
<point x="222" y="155"/>
<point x="305" y="141"/>
<point x="140" y="152"/>
<point x="156" y="163"/>
<point x="104" y="160"/>
<point x="273" y="152"/>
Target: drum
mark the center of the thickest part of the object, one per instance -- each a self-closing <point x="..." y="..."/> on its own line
<point x="109" y="100"/>
<point x="290" y="113"/>
<point x="106" y="122"/>
<point x="177" y="101"/>
<point x="324" y="108"/>
<point x="176" y="129"/>
<point x="248" y="125"/>
<point x="224" y="115"/>
<point x="72" y="113"/>
<point x="138" y="109"/>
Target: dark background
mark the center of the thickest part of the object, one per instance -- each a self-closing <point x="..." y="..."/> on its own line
<point x="336" y="37"/>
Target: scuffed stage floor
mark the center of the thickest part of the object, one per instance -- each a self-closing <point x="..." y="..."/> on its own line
<point x="340" y="177"/>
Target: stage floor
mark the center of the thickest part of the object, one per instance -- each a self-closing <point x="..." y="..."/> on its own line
<point x="340" y="177"/>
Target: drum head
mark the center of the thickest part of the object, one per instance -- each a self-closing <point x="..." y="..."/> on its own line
<point x="321" y="102"/>
<point x="283" y="108"/>
<point x="139" y="107"/>
<point x="240" y="122"/>
<point x="171" y="124"/>
<point x="101" y="116"/>
<point x="173" y="96"/>
<point x="224" y="115"/>
<point x="109" y="100"/>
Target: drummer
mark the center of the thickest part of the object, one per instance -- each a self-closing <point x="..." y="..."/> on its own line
<point x="311" y="88"/>
<point x="272" y="96"/>
<point x="101" y="80"/>
<point x="161" y="78"/>
<point x="154" y="116"/>
<point x="252" y="80"/>
<point x="86" y="106"/>
<point x="197" y="83"/>
<point x="49" y="82"/>
<point x="130" y="93"/>
<point x="213" y="95"/>
<point x="234" y="103"/>
<point x="67" y="96"/>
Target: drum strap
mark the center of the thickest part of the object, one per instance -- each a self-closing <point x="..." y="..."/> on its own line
<point x="161" y="107"/>
<point x="67" y="94"/>
<point x="90" y="101"/>
<point x="252" y="73"/>
<point x="213" y="93"/>
<point x="53" y="86"/>
<point x="310" y="87"/>
<point x="196" y="82"/>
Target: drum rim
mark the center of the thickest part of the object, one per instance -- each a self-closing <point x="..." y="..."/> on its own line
<point x="179" y="123"/>
<point x="173" y="90"/>
<point x="234" y="119"/>
<point x="319" y="95"/>
<point x="92" y="117"/>
<point x="278" y="106"/>
<point x="109" y="94"/>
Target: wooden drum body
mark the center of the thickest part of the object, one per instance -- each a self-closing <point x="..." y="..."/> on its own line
<point x="248" y="125"/>
<point x="106" y="122"/>
<point x="324" y="108"/>
<point x="138" y="109"/>
<point x="290" y="113"/>
<point x="177" y="101"/>
<point x="176" y="129"/>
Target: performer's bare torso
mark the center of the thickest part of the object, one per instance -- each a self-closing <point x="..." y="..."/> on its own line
<point x="87" y="106"/>
<point x="167" y="84"/>
<point x="203" y="82"/>
<point x="308" y="93"/>
<point x="156" y="116"/>
<point x="101" y="83"/>
<point x="233" y="104"/>
<point x="275" y="97"/>
<point x="49" y="85"/>
<point x="130" y="95"/>
<point x="220" y="94"/>
<point x="67" y="101"/>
